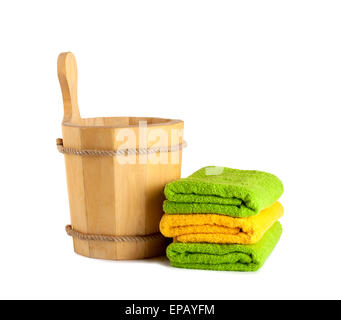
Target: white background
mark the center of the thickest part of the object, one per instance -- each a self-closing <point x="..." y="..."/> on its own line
<point x="258" y="86"/>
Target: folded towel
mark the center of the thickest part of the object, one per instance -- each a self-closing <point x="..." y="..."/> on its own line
<point x="236" y="193"/>
<point x="224" y="257"/>
<point x="216" y="228"/>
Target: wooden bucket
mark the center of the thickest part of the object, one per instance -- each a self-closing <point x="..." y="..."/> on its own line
<point x="115" y="196"/>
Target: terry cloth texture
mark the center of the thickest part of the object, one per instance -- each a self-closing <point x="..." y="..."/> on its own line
<point x="224" y="257"/>
<point x="232" y="192"/>
<point x="215" y="228"/>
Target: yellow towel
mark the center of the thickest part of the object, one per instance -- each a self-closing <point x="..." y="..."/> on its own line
<point x="215" y="228"/>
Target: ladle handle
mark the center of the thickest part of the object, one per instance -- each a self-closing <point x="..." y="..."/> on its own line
<point x="67" y="75"/>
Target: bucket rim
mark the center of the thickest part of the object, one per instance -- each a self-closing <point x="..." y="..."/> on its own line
<point x="157" y="122"/>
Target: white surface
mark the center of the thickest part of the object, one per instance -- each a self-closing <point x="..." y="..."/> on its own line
<point x="258" y="85"/>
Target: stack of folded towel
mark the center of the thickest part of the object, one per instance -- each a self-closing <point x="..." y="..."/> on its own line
<point x="222" y="219"/>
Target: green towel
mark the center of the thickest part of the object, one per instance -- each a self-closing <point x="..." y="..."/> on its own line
<point x="224" y="257"/>
<point x="237" y="193"/>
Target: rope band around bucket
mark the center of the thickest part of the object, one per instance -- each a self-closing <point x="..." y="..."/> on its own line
<point x="119" y="152"/>
<point x="85" y="236"/>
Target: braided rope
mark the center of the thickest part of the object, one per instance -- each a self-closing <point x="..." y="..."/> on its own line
<point x="119" y="152"/>
<point x="84" y="236"/>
